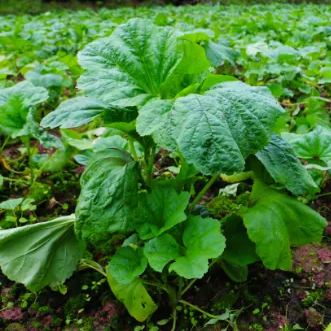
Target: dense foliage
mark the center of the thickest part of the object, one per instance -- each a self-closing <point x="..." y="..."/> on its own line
<point x="173" y="115"/>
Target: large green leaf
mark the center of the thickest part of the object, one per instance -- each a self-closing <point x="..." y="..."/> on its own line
<point x="160" y="210"/>
<point x="30" y="94"/>
<point x="161" y="250"/>
<point x="202" y="241"/>
<point x="40" y="254"/>
<point x="134" y="296"/>
<point x="74" y="112"/>
<point x="127" y="264"/>
<point x="281" y="163"/>
<point x="15" y="107"/>
<point x="138" y="61"/>
<point x="313" y="146"/>
<point x="108" y="195"/>
<point x="276" y="222"/>
<point x="218" y="130"/>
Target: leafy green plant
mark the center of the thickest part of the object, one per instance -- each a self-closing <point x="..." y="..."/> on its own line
<point x="155" y="93"/>
<point x="19" y="114"/>
<point x="314" y="148"/>
<point x="17" y="106"/>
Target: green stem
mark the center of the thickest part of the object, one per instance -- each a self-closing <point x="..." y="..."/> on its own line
<point x="149" y="166"/>
<point x="234" y="326"/>
<point x="204" y="190"/>
<point x="157" y="285"/>
<point x="4" y="144"/>
<point x="28" y="147"/>
<point x="14" y="180"/>
<point x="172" y="294"/>
<point x="192" y="282"/>
<point x="174" y="319"/>
<point x="239" y="177"/>
<point x="186" y="303"/>
<point x="132" y="149"/>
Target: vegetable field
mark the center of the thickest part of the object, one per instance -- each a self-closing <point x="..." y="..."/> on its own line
<point x="166" y="168"/>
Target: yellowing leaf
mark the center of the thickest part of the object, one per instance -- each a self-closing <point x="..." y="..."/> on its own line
<point x="40" y="254"/>
<point x="134" y="296"/>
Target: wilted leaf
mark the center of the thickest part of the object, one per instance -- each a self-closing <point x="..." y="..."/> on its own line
<point x="134" y="296"/>
<point x="40" y="254"/>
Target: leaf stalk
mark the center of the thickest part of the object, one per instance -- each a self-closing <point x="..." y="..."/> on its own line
<point x="204" y="190"/>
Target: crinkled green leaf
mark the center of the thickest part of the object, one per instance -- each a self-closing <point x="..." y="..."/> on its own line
<point x="218" y="130"/>
<point x="109" y="190"/>
<point x="202" y="240"/>
<point x="163" y="136"/>
<point x="312" y="146"/>
<point x="40" y="254"/>
<point x="281" y="163"/>
<point x="15" y="107"/>
<point x="30" y="94"/>
<point x="276" y="222"/>
<point x="73" y="113"/>
<point x="138" y="61"/>
<point x="127" y="264"/>
<point x="134" y="296"/>
<point x="161" y="250"/>
<point x="160" y="210"/>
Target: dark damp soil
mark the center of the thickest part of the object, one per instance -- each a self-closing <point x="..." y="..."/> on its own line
<point x="269" y="300"/>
